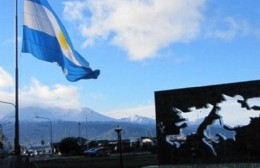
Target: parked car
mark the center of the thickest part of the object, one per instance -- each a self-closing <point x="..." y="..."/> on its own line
<point x="88" y="151"/>
<point x="30" y="153"/>
<point x="97" y="152"/>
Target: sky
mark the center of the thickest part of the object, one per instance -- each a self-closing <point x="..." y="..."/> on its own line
<point x="140" y="46"/>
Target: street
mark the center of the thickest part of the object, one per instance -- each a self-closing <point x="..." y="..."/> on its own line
<point x="13" y="161"/>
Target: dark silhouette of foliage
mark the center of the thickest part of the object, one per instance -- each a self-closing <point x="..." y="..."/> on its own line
<point x="1" y="145"/>
<point x="69" y="146"/>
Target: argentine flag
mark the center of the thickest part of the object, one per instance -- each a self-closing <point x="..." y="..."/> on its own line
<point x="45" y="37"/>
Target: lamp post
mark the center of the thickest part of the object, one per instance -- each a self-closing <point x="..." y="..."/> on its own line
<point x="88" y="113"/>
<point x="119" y="144"/>
<point x="87" y="139"/>
<point x="46" y="118"/>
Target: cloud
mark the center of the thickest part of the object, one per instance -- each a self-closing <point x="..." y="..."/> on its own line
<point x="6" y="81"/>
<point x="228" y="28"/>
<point x="74" y="10"/>
<point x="11" y="40"/>
<point x="140" y="27"/>
<point x="144" y="110"/>
<point x="6" y="92"/>
<point x="37" y="94"/>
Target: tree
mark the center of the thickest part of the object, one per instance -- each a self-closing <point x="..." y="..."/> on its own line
<point x="69" y="146"/>
<point x="1" y="145"/>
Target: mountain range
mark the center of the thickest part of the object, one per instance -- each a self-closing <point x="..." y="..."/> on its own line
<point x="35" y="124"/>
<point x="85" y="114"/>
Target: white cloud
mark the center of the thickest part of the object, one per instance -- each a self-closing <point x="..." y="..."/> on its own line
<point x="6" y="84"/>
<point x="6" y="81"/>
<point x="140" y="27"/>
<point x="11" y="40"/>
<point x="6" y="96"/>
<point x="74" y="10"/>
<point x="145" y="111"/>
<point x="66" y="97"/>
<point x="37" y="95"/>
<point x="228" y="28"/>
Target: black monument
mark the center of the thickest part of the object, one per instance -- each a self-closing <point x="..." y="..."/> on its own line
<point x="209" y="124"/>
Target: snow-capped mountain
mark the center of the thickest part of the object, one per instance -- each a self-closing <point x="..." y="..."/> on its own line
<point x="139" y="119"/>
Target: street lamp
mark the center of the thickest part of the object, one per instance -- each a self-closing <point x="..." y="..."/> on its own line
<point x="119" y="144"/>
<point x="46" y="118"/>
<point x="7" y="103"/>
<point x="87" y="123"/>
<point x="87" y="139"/>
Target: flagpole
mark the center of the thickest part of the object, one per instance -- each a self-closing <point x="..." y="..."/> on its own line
<point x="16" y="137"/>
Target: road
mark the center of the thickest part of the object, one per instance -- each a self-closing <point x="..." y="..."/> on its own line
<point x="5" y="162"/>
<point x="14" y="162"/>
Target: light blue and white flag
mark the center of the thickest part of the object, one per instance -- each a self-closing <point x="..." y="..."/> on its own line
<point x="45" y="37"/>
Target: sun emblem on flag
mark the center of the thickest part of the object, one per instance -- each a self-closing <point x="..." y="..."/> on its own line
<point x="63" y="41"/>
